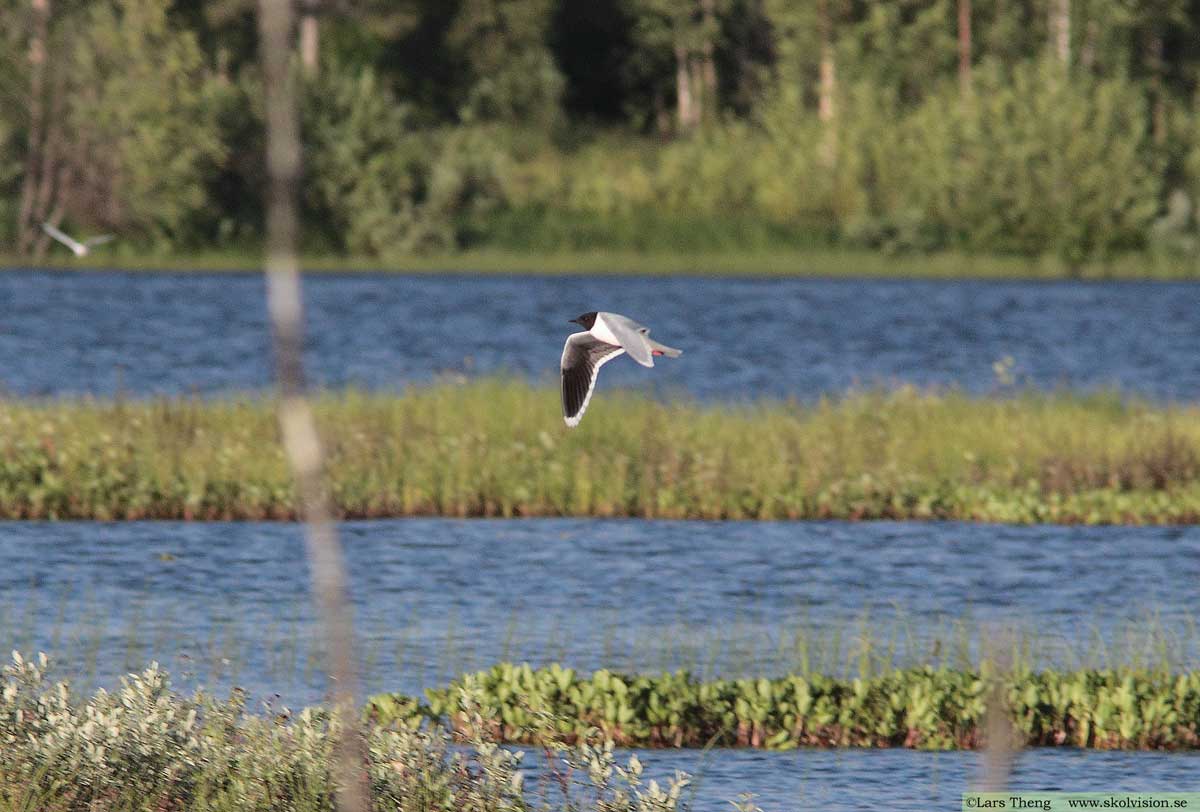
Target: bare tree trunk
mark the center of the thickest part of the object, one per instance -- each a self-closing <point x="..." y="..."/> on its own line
<point x="684" y="100"/>
<point x="53" y="189"/>
<point x="51" y="175"/>
<point x="27" y="230"/>
<point x="708" y="57"/>
<point x="310" y="37"/>
<point x="964" y="47"/>
<point x="1158" y="112"/>
<point x="699" y="90"/>
<point x="827" y="88"/>
<point x="296" y="423"/>
<point x="1087" y="52"/>
<point x="1060" y="30"/>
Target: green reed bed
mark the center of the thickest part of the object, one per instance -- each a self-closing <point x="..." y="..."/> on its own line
<point x="495" y="448"/>
<point x="927" y="708"/>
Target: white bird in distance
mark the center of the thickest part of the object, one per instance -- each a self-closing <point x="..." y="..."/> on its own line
<point x="80" y="249"/>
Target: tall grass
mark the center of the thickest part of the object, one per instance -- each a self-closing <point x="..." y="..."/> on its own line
<point x="498" y="448"/>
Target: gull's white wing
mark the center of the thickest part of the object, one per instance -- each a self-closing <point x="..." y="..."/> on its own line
<point x="92" y="242"/>
<point x="62" y="238"/>
<point x="630" y="335"/>
<point x="582" y="357"/>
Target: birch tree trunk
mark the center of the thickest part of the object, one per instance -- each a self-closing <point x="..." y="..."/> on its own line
<point x="297" y="426"/>
<point x="310" y="37"/>
<point x="1060" y="30"/>
<point x="51" y="174"/>
<point x="708" y="58"/>
<point x="964" y="47"/>
<point x="827" y="86"/>
<point x="699" y="89"/>
<point x="1158" y="110"/>
<point x="685" y="105"/>
<point x="27" y="230"/>
<point x="1087" y="51"/>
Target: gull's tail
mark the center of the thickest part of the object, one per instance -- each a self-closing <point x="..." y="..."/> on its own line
<point x="662" y="349"/>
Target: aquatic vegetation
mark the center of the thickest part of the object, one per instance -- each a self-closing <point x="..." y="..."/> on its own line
<point x="144" y="747"/>
<point x="928" y="708"/>
<point x="498" y="448"/>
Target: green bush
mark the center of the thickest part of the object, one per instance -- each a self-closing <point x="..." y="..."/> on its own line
<point x="144" y="748"/>
<point x="1035" y="161"/>
<point x="366" y="170"/>
<point x="140" y="119"/>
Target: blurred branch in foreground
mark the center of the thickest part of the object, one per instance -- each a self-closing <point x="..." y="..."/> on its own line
<point x="1001" y="739"/>
<point x="298" y="429"/>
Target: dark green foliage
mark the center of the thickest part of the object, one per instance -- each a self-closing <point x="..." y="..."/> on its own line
<point x="927" y="708"/>
<point x="511" y="75"/>
<point x="366" y="172"/>
<point x="139" y="118"/>
<point x="1038" y="162"/>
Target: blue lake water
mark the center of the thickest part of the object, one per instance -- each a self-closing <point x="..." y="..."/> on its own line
<point x="100" y="333"/>
<point x="225" y="604"/>
<point x="904" y="780"/>
<point x="435" y="597"/>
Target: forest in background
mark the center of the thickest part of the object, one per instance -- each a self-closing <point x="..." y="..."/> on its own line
<point x="1068" y="128"/>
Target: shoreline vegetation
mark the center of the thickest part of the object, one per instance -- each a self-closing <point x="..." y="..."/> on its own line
<point x="493" y="448"/>
<point x="664" y="125"/>
<point x="144" y="747"/>
<point x="923" y="708"/>
<point x="784" y="262"/>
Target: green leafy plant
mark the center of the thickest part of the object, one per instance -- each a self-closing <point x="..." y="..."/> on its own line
<point x="927" y="708"/>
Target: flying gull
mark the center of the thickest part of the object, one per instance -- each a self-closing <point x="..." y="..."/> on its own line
<point x="604" y="337"/>
<point x="80" y="249"/>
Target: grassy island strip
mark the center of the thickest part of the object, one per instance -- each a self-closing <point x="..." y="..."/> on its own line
<point x="927" y="708"/>
<point x="498" y="448"/>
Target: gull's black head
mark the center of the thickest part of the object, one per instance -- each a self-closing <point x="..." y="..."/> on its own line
<point x="586" y="320"/>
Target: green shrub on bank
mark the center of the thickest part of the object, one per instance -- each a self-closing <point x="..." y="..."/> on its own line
<point x="144" y="748"/>
<point x="498" y="448"/>
<point x="923" y="708"/>
<point x="1035" y="161"/>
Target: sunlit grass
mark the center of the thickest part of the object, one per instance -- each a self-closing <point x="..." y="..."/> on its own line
<point x="498" y="448"/>
<point x="805" y="262"/>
